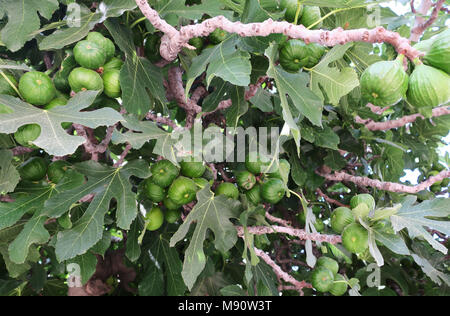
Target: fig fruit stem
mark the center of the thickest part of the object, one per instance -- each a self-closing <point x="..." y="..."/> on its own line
<point x="417" y="61"/>
<point x="297" y="13"/>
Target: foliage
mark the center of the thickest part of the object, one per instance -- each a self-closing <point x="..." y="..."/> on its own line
<point x="115" y="205"/>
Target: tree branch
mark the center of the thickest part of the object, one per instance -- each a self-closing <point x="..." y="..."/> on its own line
<point x="385" y="186"/>
<point x="6" y="199"/>
<point x="17" y="151"/>
<point x="298" y="286"/>
<point x="176" y="86"/>
<point x="253" y="89"/>
<point x="91" y="145"/>
<point x="421" y="25"/>
<point x="103" y="146"/>
<point x="161" y="120"/>
<point x="330" y="200"/>
<point x="126" y="151"/>
<point x="383" y="126"/>
<point x="173" y="41"/>
<point x="278" y="220"/>
<point x="299" y="233"/>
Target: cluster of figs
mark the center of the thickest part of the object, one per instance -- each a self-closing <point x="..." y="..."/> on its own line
<point x="295" y="54"/>
<point x="325" y="277"/>
<point x="344" y="221"/>
<point x="385" y="83"/>
<point x="171" y="187"/>
<point x="355" y="239"/>
<point x="37" y="169"/>
<point x="90" y="65"/>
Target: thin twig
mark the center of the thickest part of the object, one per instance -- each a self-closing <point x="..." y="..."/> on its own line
<point x="161" y="120"/>
<point x="17" y="151"/>
<point x="330" y="200"/>
<point x="297" y="285"/>
<point x="278" y="220"/>
<point x="421" y="25"/>
<point x="123" y="156"/>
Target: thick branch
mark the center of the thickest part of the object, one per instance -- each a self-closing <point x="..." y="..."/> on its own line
<point x="199" y="93"/>
<point x="383" y="126"/>
<point x="173" y="41"/>
<point x="154" y="18"/>
<point x="385" y="186"/>
<point x="176" y="86"/>
<point x="299" y="233"/>
<point x="434" y="15"/>
<point x="376" y="109"/>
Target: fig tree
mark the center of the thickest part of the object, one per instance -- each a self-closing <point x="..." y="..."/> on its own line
<point x="363" y="199"/>
<point x="329" y="264"/>
<point x="111" y="83"/>
<point x="56" y="170"/>
<point x="295" y="54"/>
<point x="254" y="195"/>
<point x="82" y="79"/>
<point x="339" y="287"/>
<point x="105" y="43"/>
<point x="172" y="216"/>
<point x="192" y="169"/>
<point x="311" y="15"/>
<point x="439" y="53"/>
<point x="291" y="7"/>
<point x="26" y="134"/>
